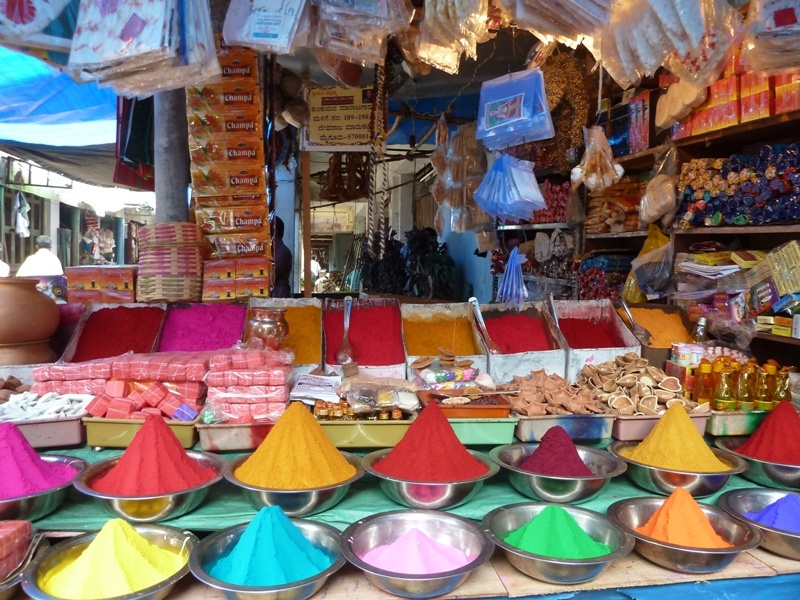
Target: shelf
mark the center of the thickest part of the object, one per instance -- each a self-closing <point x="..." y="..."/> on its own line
<point x="611" y="236"/>
<point x="743" y="230"/>
<point x="641" y="161"/>
<point x="778" y="338"/>
<point x="532" y="226"/>
<point x="549" y="172"/>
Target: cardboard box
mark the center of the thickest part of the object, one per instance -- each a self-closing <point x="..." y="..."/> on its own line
<point x="796" y="326"/>
<point x="639" y="122"/>
<point x="82" y="278"/>
<point x="219" y="290"/>
<point x="252" y="287"/>
<point x="215" y="270"/>
<point x="254" y="266"/>
<point x="781" y="330"/>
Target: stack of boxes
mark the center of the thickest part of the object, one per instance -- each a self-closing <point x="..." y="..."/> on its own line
<point x="228" y="179"/>
<point x="101" y="284"/>
<point x="787" y="92"/>
<point x="720" y="110"/>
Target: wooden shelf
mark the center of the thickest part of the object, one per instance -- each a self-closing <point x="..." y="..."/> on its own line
<point x="778" y="338"/>
<point x="532" y="226"/>
<point x="549" y="172"/>
<point x="641" y="161"/>
<point x="611" y="236"/>
<point x="743" y="230"/>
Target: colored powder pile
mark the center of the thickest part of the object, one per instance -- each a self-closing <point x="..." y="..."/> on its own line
<point x="199" y="327"/>
<point x="777" y="439"/>
<point x="681" y="521"/>
<point x="424" y="337"/>
<point x="666" y="328"/>
<point x="117" y="562"/>
<point x="22" y="472"/>
<point x="271" y="551"/>
<point x="517" y="333"/>
<point x="783" y="514"/>
<point x="115" y="331"/>
<point x="153" y="464"/>
<point x="296" y="455"/>
<point x="674" y="443"/>
<point x="305" y="334"/>
<point x="430" y="452"/>
<point x="583" y="333"/>
<point x="556" y="455"/>
<point x="555" y="533"/>
<point x="376" y="335"/>
<point x="414" y="553"/>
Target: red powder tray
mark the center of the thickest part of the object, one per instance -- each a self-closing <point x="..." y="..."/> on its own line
<point x="501" y="410"/>
<point x="118" y="433"/>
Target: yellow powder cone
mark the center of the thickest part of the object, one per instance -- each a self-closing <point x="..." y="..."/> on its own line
<point x="118" y="561"/>
<point x="296" y="455"/>
<point x="681" y="521"/>
<point x="674" y="443"/>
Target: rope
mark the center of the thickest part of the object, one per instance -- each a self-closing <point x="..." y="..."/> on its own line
<point x="371" y="167"/>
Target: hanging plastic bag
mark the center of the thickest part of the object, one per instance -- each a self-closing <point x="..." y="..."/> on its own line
<point x="598" y="169"/>
<point x="575" y="211"/>
<point x="509" y="191"/>
<point x="661" y="195"/>
<point x="512" y="288"/>
<point x="773" y="35"/>
<point x="655" y="239"/>
<point x="268" y="26"/>
<point x="653" y="270"/>
<point x="513" y="110"/>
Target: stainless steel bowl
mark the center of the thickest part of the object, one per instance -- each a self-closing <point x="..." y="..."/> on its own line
<point x="322" y="536"/>
<point x="36" y="506"/>
<point x="665" y="481"/>
<point x="295" y="503"/>
<point x="426" y="495"/>
<point x="561" y="571"/>
<point x="550" y="488"/>
<point x="150" y="509"/>
<point x="738" y="502"/>
<point x="164" y="537"/>
<point x="635" y="512"/>
<point x="384" y="528"/>
<point x="769" y="474"/>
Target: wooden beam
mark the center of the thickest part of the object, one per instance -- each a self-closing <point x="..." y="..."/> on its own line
<point x="305" y="201"/>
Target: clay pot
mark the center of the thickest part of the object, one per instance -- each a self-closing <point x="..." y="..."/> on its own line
<point x="26" y="316"/>
<point x="269" y="325"/>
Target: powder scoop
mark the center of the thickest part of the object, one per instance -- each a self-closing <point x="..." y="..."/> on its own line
<point x="640" y="332"/>
<point x="344" y="354"/>
<point x="476" y="311"/>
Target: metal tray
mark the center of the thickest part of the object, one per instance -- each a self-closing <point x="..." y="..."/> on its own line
<point x="579" y="427"/>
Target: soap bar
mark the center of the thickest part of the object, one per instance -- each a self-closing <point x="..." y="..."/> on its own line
<point x="14" y="539"/>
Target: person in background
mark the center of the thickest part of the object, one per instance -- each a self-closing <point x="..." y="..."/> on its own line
<point x="315" y="267"/>
<point x="5" y="268"/>
<point x="283" y="261"/>
<point x="43" y="262"/>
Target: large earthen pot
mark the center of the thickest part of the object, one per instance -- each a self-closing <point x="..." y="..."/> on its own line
<point x="28" y="319"/>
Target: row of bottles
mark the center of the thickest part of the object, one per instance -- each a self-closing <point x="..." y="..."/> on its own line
<point x="728" y="385"/>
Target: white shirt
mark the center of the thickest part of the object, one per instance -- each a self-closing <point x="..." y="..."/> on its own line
<point x="5" y="269"/>
<point x="41" y="264"/>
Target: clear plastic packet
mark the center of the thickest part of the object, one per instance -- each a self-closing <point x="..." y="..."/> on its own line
<point x="437" y="51"/>
<point x="653" y="270"/>
<point x="598" y="169"/>
<point x="509" y="191"/>
<point x="360" y="45"/>
<point x="564" y="21"/>
<point x="512" y="289"/>
<point x="219" y="412"/>
<point x="339" y="67"/>
<point x="660" y="198"/>
<point x="773" y="33"/>
<point x="513" y="110"/>
<point x="268" y="26"/>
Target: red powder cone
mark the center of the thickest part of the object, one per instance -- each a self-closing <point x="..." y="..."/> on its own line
<point x="556" y="455"/>
<point x="777" y="439"/>
<point x="431" y="452"/>
<point x="153" y="464"/>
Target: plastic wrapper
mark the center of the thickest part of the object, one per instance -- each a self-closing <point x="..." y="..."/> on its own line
<point x="509" y="191"/>
<point x="597" y="169"/>
<point x="513" y="110"/>
<point x="164" y="366"/>
<point x="442" y="374"/>
<point x="574" y="211"/>
<point x="660" y="198"/>
<point x="75" y="386"/>
<point x="364" y="44"/>
<point x="564" y="21"/>
<point x="653" y="270"/>
<point x="233" y="413"/>
<point x="728" y="331"/>
<point x="96" y="369"/>
<point x="512" y="288"/>
<point x="367" y="394"/>
<point x="440" y="53"/>
<point x="270" y="376"/>
<point x="249" y="394"/>
<point x="236" y="245"/>
<point x="464" y="170"/>
<point x="773" y="35"/>
<point x="268" y="26"/>
<point x="452" y="27"/>
<point x="235" y="219"/>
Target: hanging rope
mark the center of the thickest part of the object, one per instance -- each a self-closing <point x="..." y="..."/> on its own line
<point x="371" y="167"/>
<point x="388" y="75"/>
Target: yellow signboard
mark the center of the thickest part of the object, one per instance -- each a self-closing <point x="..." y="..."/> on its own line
<point x="339" y="119"/>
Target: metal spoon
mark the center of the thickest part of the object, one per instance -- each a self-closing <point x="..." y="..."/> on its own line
<point x="37" y="540"/>
<point x="344" y="354"/>
<point x="640" y="332"/>
<point x="476" y="311"/>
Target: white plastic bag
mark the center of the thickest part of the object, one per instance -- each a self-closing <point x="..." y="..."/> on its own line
<point x="661" y="194"/>
<point x="598" y="169"/>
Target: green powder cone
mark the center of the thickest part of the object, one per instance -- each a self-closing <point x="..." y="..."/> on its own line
<point x="555" y="533"/>
<point x="271" y="551"/>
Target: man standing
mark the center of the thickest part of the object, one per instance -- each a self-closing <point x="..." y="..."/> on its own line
<point x="43" y="263"/>
<point x="283" y="261"/>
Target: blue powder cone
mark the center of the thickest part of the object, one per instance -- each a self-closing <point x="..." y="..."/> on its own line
<point x="271" y="551"/>
<point x="782" y="514"/>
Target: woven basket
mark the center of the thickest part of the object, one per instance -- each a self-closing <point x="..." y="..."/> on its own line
<point x="170" y="233"/>
<point x="183" y="261"/>
<point x="169" y="288"/>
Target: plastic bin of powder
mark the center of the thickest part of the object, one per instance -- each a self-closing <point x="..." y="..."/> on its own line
<point x="118" y="433"/>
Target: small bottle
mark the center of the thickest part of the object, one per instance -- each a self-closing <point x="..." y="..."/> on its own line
<point x="704" y="388"/>
<point x="724" y="395"/>
<point x="744" y="393"/>
<point x="736" y="367"/>
<point x="383" y="416"/>
<point x="397" y="414"/>
<point x="772" y="379"/>
<point x="761" y="395"/>
<point x="718" y="367"/>
<point x="323" y="414"/>
<point x="338" y="412"/>
<point x="783" y="388"/>
<point x="699" y="334"/>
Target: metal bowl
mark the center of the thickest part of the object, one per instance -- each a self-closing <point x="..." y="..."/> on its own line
<point x="769" y="474"/>
<point x="635" y="512"/>
<point x="384" y="528"/>
<point x="738" y="502"/>
<point x="150" y="509"/>
<point x="164" y="537"/>
<point x="41" y="504"/>
<point x="295" y="503"/>
<point x="665" y="481"/>
<point x="322" y="536"/>
<point x="561" y="571"/>
<point x="427" y="495"/>
<point x="550" y="488"/>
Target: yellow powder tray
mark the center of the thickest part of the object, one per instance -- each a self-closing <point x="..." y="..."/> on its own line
<point x="633" y="428"/>
<point x="118" y="433"/>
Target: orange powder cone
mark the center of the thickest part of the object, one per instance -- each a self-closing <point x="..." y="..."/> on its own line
<point x="681" y="521"/>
